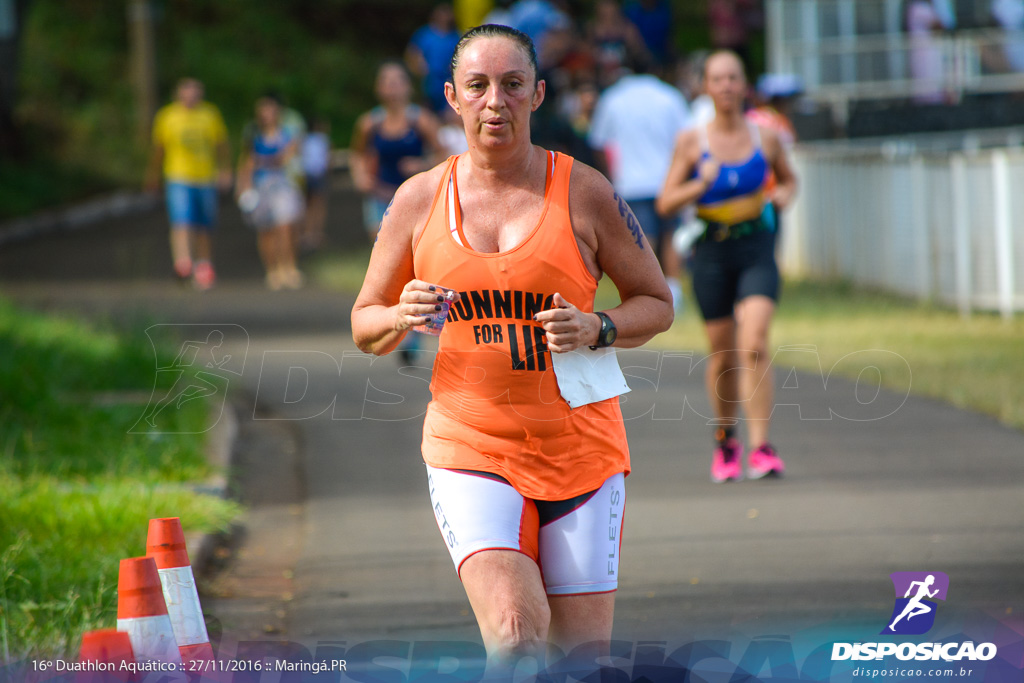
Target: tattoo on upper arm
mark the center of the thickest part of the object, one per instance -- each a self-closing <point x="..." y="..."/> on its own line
<point x="631" y="222"/>
<point x="382" y="218"/>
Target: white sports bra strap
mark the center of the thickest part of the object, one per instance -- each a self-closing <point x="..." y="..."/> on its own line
<point x="452" y="208"/>
<point x="755" y="134"/>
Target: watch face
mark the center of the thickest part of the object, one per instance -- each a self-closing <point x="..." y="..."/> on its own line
<point x="610" y="335"/>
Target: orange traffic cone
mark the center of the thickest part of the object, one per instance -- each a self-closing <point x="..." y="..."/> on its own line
<point x="142" y="614"/>
<point x="106" y="655"/>
<point x="166" y="545"/>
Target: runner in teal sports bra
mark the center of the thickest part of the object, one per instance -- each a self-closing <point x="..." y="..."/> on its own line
<point x="721" y="168"/>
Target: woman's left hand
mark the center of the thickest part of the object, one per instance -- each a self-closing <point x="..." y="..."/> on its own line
<point x="781" y="197"/>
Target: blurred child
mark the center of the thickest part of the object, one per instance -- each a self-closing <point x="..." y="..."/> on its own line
<point x="267" y="194"/>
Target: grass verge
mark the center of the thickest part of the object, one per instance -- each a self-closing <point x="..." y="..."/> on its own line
<point x="341" y="271"/>
<point x="974" y="363"/>
<point x="77" y="487"/>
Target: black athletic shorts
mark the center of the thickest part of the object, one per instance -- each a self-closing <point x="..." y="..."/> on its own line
<point x="731" y="270"/>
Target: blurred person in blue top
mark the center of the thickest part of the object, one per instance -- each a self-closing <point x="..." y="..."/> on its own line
<point x="316" y="167"/>
<point x="722" y="167"/>
<point x="430" y="51"/>
<point x="653" y="18"/>
<point x="537" y="18"/>
<point x="614" y="41"/>
<point x="267" y="194"/>
<point x="391" y="143"/>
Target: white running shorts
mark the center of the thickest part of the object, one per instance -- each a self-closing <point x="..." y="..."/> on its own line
<point x="576" y="543"/>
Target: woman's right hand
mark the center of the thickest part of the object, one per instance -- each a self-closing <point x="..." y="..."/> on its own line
<point x="708" y="171"/>
<point x="419" y="301"/>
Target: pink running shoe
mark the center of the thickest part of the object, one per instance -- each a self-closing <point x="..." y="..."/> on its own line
<point x="183" y="269"/>
<point x="725" y="464"/>
<point x="203" y="275"/>
<point x="764" y="462"/>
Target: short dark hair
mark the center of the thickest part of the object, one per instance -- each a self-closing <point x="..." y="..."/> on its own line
<point x="392" y="62"/>
<point x="494" y="31"/>
<point x="273" y="95"/>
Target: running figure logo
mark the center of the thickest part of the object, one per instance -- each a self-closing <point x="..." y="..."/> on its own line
<point x="202" y="369"/>
<point x="914" y="611"/>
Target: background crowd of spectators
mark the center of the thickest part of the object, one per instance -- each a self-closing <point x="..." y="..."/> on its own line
<point x="582" y="51"/>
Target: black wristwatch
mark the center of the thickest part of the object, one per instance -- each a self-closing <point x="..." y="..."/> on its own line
<point x="608" y="333"/>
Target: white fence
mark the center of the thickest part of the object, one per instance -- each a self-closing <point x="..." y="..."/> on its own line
<point x="945" y="227"/>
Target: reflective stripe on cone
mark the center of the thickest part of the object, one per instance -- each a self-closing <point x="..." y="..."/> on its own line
<point x="166" y="545"/>
<point x="142" y="613"/>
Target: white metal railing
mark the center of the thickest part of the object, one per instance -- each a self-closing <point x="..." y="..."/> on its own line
<point x="880" y="66"/>
<point x="935" y="226"/>
<point x="846" y="51"/>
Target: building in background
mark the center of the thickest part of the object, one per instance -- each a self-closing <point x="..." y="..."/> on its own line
<point x="856" y="59"/>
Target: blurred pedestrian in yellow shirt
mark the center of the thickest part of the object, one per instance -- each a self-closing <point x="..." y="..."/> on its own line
<point x="190" y="147"/>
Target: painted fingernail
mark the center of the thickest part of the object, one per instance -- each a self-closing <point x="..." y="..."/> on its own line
<point x="432" y="288"/>
<point x="437" y="308"/>
<point x="535" y="316"/>
<point x="440" y="298"/>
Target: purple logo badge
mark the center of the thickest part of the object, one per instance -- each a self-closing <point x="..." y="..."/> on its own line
<point x="916" y="592"/>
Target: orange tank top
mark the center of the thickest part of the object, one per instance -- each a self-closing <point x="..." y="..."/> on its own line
<point x="495" y="402"/>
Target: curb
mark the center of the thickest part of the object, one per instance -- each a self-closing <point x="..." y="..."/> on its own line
<point x="76" y="217"/>
<point x="202" y="547"/>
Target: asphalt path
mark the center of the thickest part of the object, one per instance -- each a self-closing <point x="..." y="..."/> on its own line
<point x="340" y="554"/>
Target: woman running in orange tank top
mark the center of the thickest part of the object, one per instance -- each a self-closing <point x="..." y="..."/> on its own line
<point x="523" y="236"/>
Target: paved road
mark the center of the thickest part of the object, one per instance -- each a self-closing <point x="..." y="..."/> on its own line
<point x="340" y="543"/>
